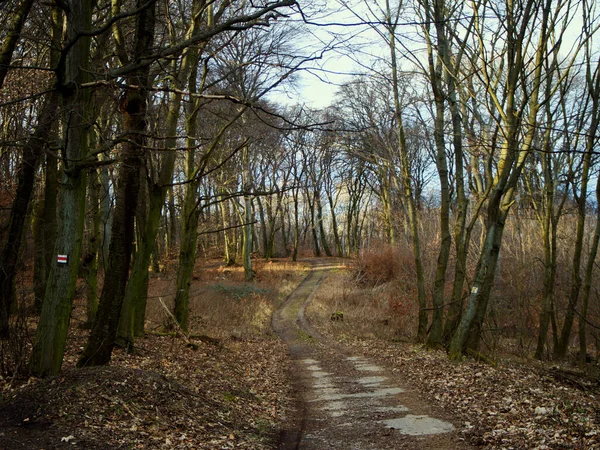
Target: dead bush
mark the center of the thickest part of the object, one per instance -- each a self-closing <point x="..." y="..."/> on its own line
<point x="376" y="266"/>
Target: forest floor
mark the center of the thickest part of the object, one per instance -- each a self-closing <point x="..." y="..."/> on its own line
<point x="241" y="389"/>
<point x="227" y="386"/>
<point x="505" y="403"/>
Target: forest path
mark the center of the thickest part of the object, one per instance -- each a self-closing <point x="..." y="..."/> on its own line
<point x="344" y="401"/>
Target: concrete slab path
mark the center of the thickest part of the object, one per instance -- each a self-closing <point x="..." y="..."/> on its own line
<point x="346" y="402"/>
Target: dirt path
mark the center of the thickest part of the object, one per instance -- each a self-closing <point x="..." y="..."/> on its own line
<point x="344" y="400"/>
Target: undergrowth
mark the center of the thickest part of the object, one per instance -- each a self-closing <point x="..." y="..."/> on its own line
<point x="222" y="304"/>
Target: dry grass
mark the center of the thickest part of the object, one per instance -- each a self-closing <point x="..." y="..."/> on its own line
<point x="345" y="308"/>
<point x="375" y="298"/>
<point x="511" y="325"/>
<point x="222" y="304"/>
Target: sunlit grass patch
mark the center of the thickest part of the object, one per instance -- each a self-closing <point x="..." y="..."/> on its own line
<point x="346" y="308"/>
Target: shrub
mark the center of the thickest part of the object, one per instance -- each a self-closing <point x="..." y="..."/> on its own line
<point x="375" y="267"/>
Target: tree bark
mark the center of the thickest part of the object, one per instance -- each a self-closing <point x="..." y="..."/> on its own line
<point x="98" y="350"/>
<point x="319" y="206"/>
<point x="593" y="85"/>
<point x="90" y="259"/>
<point x="11" y="39"/>
<point x="587" y="283"/>
<point x="32" y="153"/>
<point x="51" y="334"/>
<point x="406" y="185"/>
<point x="334" y="226"/>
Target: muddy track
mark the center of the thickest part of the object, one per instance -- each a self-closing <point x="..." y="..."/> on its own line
<point x="344" y="401"/>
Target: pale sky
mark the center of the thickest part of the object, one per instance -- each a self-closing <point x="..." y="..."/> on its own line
<point x="317" y="89"/>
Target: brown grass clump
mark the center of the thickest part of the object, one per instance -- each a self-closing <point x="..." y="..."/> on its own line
<point x="377" y="266"/>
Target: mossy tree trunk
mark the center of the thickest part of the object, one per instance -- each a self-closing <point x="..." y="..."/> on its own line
<point x="51" y="333"/>
<point x="133" y="312"/>
<point x="518" y="132"/>
<point x="190" y="210"/>
<point x="90" y="259"/>
<point x="98" y="350"/>
<point x="45" y="230"/>
<point x="435" y="76"/>
<point x="391" y="22"/>
<point x="548" y="212"/>
<point x="32" y="154"/>
<point x="12" y="36"/>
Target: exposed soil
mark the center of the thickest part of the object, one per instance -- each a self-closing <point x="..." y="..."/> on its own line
<point x="345" y="400"/>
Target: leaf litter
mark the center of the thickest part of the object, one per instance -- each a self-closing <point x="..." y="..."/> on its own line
<point x="238" y="395"/>
<point x="516" y="404"/>
<point x="233" y="396"/>
<point x="230" y="392"/>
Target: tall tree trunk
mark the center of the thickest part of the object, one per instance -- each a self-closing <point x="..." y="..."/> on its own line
<point x="313" y="224"/>
<point x="190" y="212"/>
<point x="284" y="231"/>
<point x="133" y="312"/>
<point x="45" y="238"/>
<point x="462" y="236"/>
<point x="436" y="330"/>
<point x="248" y="217"/>
<point x="587" y="283"/>
<point x="319" y="206"/>
<point x="32" y="153"/>
<point x="105" y="216"/>
<point x="228" y="255"/>
<point x="90" y="259"/>
<point x="336" y="236"/>
<point x="295" y="195"/>
<point x="247" y="239"/>
<point x="187" y="252"/>
<point x="462" y="230"/>
<point x="46" y="230"/>
<point x="272" y="217"/>
<point x="263" y="229"/>
<point x="514" y="152"/>
<point x="581" y="200"/>
<point x="171" y="238"/>
<point x="407" y="188"/>
<point x="549" y="221"/>
<point x="98" y="350"/>
<point x="51" y="333"/>
<point x="386" y="204"/>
